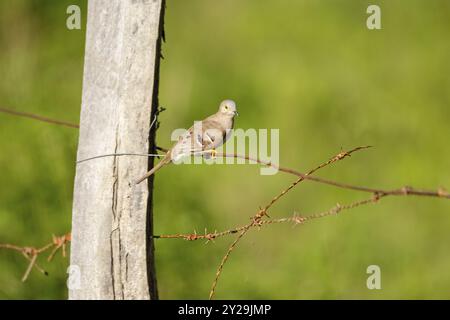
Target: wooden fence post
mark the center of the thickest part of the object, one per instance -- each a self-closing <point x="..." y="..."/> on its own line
<point x="112" y="251"/>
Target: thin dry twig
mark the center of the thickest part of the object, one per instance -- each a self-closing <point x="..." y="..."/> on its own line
<point x="32" y="253"/>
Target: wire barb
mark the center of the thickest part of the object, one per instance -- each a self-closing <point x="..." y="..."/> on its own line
<point x="31" y="253"/>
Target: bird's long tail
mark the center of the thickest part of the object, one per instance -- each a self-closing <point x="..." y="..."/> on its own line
<point x="166" y="160"/>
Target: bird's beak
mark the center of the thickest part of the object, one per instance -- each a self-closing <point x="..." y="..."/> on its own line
<point x="236" y="113"/>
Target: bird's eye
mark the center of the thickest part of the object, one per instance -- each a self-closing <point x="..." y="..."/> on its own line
<point x="226" y="107"/>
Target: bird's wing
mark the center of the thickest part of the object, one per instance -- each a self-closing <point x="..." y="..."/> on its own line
<point x="213" y="134"/>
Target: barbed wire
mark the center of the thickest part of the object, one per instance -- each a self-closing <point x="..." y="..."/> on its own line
<point x="295" y="218"/>
<point x="38" y="117"/>
<point x="256" y="219"/>
<point x="31" y="253"/>
<point x="403" y="191"/>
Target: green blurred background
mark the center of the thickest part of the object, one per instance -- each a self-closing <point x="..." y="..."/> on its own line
<point x="310" y="68"/>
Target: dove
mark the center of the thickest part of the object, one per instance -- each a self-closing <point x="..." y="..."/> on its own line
<point x="206" y="135"/>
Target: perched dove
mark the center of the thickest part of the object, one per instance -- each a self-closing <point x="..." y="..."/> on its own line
<point x="206" y="135"/>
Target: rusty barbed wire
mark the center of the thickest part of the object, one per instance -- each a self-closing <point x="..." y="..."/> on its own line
<point x="256" y="219"/>
<point x="31" y="253"/>
<point x="295" y="218"/>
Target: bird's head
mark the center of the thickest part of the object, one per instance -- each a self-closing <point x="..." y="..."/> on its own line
<point x="228" y="107"/>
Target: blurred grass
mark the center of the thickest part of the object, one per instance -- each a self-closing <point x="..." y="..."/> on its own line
<point x="311" y="69"/>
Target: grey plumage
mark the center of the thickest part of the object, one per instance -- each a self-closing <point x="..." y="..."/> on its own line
<point x="206" y="135"/>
